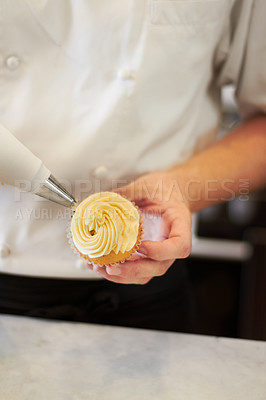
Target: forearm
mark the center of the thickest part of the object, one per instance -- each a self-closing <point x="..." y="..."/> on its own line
<point x="234" y="165"/>
<point x="214" y="175"/>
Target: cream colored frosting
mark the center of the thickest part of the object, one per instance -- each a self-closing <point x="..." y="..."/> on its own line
<point x="104" y="222"/>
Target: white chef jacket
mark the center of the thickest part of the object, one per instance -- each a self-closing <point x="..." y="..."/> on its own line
<point x="103" y="92"/>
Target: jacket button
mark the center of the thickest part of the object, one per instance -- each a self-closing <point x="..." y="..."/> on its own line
<point x="12" y="62"/>
<point x="100" y="171"/>
<point x="4" y="252"/>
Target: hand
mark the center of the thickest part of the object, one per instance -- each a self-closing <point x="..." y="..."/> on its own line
<point x="159" y="198"/>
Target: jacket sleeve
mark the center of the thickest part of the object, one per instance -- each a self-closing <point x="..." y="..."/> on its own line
<point x="244" y="63"/>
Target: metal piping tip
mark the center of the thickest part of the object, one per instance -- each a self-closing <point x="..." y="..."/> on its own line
<point x="52" y="190"/>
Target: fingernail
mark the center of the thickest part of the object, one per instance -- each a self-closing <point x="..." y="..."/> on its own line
<point x="142" y="250"/>
<point x="113" y="270"/>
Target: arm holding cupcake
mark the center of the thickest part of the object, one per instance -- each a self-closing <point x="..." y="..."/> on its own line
<point x="212" y="176"/>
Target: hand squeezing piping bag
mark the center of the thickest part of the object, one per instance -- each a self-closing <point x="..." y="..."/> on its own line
<point x="18" y="165"/>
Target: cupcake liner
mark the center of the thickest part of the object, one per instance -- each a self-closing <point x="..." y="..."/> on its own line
<point x="115" y="259"/>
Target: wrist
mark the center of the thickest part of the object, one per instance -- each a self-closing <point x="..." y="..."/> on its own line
<point x="194" y="190"/>
<point x="202" y="190"/>
<point x="181" y="189"/>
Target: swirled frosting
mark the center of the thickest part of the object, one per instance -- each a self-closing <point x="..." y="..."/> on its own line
<point x="104" y="222"/>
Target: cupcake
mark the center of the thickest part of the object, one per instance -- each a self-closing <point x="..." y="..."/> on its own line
<point x="106" y="228"/>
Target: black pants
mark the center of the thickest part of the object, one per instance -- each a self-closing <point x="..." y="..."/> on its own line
<point x="165" y="303"/>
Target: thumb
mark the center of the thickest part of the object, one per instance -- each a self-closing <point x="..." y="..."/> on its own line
<point x="133" y="191"/>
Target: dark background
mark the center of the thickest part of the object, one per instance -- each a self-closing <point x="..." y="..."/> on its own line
<point x="230" y="288"/>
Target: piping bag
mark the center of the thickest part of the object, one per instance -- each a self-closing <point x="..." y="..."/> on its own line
<point x="20" y="167"/>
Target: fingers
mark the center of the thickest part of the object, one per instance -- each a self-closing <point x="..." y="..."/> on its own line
<point x="178" y="245"/>
<point x="142" y="192"/>
<point x="102" y="271"/>
<point x="134" y="272"/>
<point x="125" y="281"/>
<point x="135" y="256"/>
<point x="173" y="248"/>
<point x="131" y="191"/>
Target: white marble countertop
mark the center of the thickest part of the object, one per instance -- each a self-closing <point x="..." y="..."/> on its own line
<point x="44" y="360"/>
